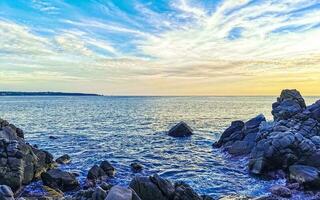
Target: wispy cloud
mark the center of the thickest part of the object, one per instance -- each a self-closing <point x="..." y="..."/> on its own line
<point x="164" y="44"/>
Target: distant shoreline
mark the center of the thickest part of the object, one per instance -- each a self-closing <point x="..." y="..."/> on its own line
<point x="8" y="93"/>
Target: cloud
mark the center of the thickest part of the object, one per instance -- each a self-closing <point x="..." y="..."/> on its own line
<point x="238" y="41"/>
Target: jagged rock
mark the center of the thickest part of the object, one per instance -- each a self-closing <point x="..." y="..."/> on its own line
<point x="58" y="179"/>
<point x="184" y="192"/>
<point x="107" y="168"/>
<point x="288" y="104"/>
<point x="153" y="187"/>
<point x="122" y="193"/>
<point x="281" y="191"/>
<point x="65" y="159"/>
<point x="95" y="172"/>
<point x="136" y="167"/>
<point x="99" y="194"/>
<point x="180" y="130"/>
<point x="240" y="137"/>
<point x="6" y="193"/>
<point x="305" y="175"/>
<point x="20" y="163"/>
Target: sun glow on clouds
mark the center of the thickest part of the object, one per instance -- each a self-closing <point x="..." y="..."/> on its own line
<point x="240" y="47"/>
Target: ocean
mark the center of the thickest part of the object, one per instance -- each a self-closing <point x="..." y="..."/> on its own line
<point x="123" y="130"/>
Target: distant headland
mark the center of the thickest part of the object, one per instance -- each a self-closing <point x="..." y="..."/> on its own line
<point x="10" y="93"/>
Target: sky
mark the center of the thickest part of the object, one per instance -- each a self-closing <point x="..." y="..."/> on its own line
<point x="160" y="47"/>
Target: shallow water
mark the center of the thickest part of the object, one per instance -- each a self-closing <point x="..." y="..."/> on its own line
<point x="128" y="129"/>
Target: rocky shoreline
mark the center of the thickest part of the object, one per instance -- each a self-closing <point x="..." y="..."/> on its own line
<point x="288" y="147"/>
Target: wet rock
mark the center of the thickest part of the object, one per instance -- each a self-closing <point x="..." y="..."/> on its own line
<point x="58" y="179"/>
<point x="184" y="192"/>
<point x="235" y="129"/>
<point x="281" y="191"/>
<point x="51" y="137"/>
<point x="107" y="168"/>
<point x="99" y="194"/>
<point x="121" y="193"/>
<point x="305" y="175"/>
<point x="180" y="130"/>
<point x="105" y="186"/>
<point x="65" y="159"/>
<point x="153" y="187"/>
<point x="136" y="167"/>
<point x="95" y="172"/>
<point x="20" y="163"/>
<point x="6" y="193"/>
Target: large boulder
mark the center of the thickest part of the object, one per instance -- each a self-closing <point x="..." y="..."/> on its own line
<point x="288" y="104"/>
<point x="305" y="175"/>
<point x="20" y="163"/>
<point x="240" y="137"/>
<point x="107" y="168"/>
<point x="122" y="193"/>
<point x="153" y="187"/>
<point x="58" y="179"/>
<point x="180" y="130"/>
<point x="6" y="193"/>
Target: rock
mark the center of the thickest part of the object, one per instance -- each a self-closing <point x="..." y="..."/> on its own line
<point x="6" y="193"/>
<point x="180" y="130"/>
<point x="288" y="104"/>
<point x="305" y="175"/>
<point x="65" y="159"/>
<point x="153" y="187"/>
<point x="236" y="127"/>
<point x="106" y="186"/>
<point x="240" y="148"/>
<point x="95" y="172"/>
<point x="255" y="122"/>
<point x="54" y="193"/>
<point x="99" y="194"/>
<point x="53" y="137"/>
<point x="58" y="179"/>
<point x="184" y="192"/>
<point x="121" y="193"/>
<point x="136" y="167"/>
<point x="281" y="191"/>
<point x="107" y="168"/>
<point x="20" y="163"/>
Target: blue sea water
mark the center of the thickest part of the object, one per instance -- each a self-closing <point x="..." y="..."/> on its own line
<point x="123" y="130"/>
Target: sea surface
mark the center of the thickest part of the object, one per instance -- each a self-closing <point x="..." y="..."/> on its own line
<point x="123" y="130"/>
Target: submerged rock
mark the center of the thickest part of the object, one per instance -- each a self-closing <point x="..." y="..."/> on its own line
<point x="180" y="130"/>
<point x="58" y="179"/>
<point x="65" y="159"/>
<point x="136" y="167"/>
<point x="20" y="163"/>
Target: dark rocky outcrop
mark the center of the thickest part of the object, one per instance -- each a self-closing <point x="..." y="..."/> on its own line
<point x="20" y="163"/>
<point x="180" y="130"/>
<point x="155" y="187"/>
<point x="290" y="143"/>
<point x="97" y="172"/>
<point x="58" y="179"/>
<point x="240" y="137"/>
